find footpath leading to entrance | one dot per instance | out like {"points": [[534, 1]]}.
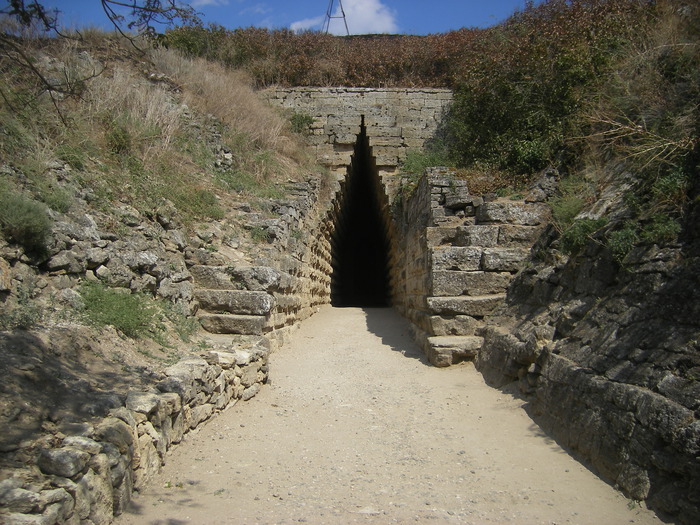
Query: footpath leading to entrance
{"points": [[356, 427]]}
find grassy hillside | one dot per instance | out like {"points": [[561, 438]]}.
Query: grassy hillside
{"points": [[135, 128]]}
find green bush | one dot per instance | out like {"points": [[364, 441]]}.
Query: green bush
{"points": [[662, 229], [579, 233], [119, 139], [301, 122], [622, 241], [24, 220], [132, 314]]}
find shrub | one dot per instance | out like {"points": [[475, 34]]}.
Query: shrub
{"points": [[24, 220], [622, 241], [301, 122], [662, 229], [132, 314], [25, 314], [579, 233]]}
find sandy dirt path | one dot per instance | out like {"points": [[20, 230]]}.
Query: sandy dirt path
{"points": [[356, 427]]}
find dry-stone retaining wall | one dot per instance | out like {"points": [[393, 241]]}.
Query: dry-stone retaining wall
{"points": [[88, 478], [266, 296]]}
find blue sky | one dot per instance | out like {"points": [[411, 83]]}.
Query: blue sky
{"points": [[362, 16]]}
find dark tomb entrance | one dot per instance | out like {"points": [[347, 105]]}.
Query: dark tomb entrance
{"points": [[359, 245]]}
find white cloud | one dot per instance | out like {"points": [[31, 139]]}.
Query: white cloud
{"points": [[307, 23], [257, 9], [362, 17], [207, 3]]}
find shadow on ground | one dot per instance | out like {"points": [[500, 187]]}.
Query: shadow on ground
{"points": [[394, 331]]}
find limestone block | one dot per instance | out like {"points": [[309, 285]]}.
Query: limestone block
{"points": [[477, 306], [214, 277], [178, 428], [117, 432], [101, 497], [200, 413], [233, 324], [513, 213], [235, 301], [143, 402], [477, 235], [250, 392], [249, 375], [448, 350], [453, 325], [503, 259], [461, 258], [150, 462], [82, 443], [513, 235], [452, 283], [66, 260]]}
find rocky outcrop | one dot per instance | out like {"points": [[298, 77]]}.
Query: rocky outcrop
{"points": [[608, 355]]}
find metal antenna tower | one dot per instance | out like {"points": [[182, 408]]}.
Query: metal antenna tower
{"points": [[329, 16]]}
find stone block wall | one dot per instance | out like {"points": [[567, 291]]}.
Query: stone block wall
{"points": [[89, 478], [609, 355], [459, 253], [397, 119], [268, 295]]}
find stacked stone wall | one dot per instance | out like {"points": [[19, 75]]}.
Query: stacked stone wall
{"points": [[397, 120], [460, 253], [89, 478]]}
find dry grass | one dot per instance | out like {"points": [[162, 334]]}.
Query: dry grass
{"points": [[228, 95]]}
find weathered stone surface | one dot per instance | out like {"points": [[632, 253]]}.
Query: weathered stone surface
{"points": [[235, 301], [65, 462], [16, 499], [503, 259], [233, 324], [513, 213], [213, 277], [456, 258], [250, 392], [453, 283], [201, 413], [453, 325], [512, 235], [477, 235], [449, 350], [143, 402], [82, 443], [478, 306], [116, 432]]}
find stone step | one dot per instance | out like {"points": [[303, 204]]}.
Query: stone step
{"points": [[212, 277], [476, 306], [255, 278], [235, 301], [234, 324], [452, 283], [448, 350]]}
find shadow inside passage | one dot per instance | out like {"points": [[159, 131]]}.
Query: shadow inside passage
{"points": [[394, 332]]}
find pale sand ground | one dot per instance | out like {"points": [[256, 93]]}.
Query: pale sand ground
{"points": [[357, 428]]}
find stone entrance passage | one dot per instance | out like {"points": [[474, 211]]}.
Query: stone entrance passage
{"points": [[359, 244]]}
